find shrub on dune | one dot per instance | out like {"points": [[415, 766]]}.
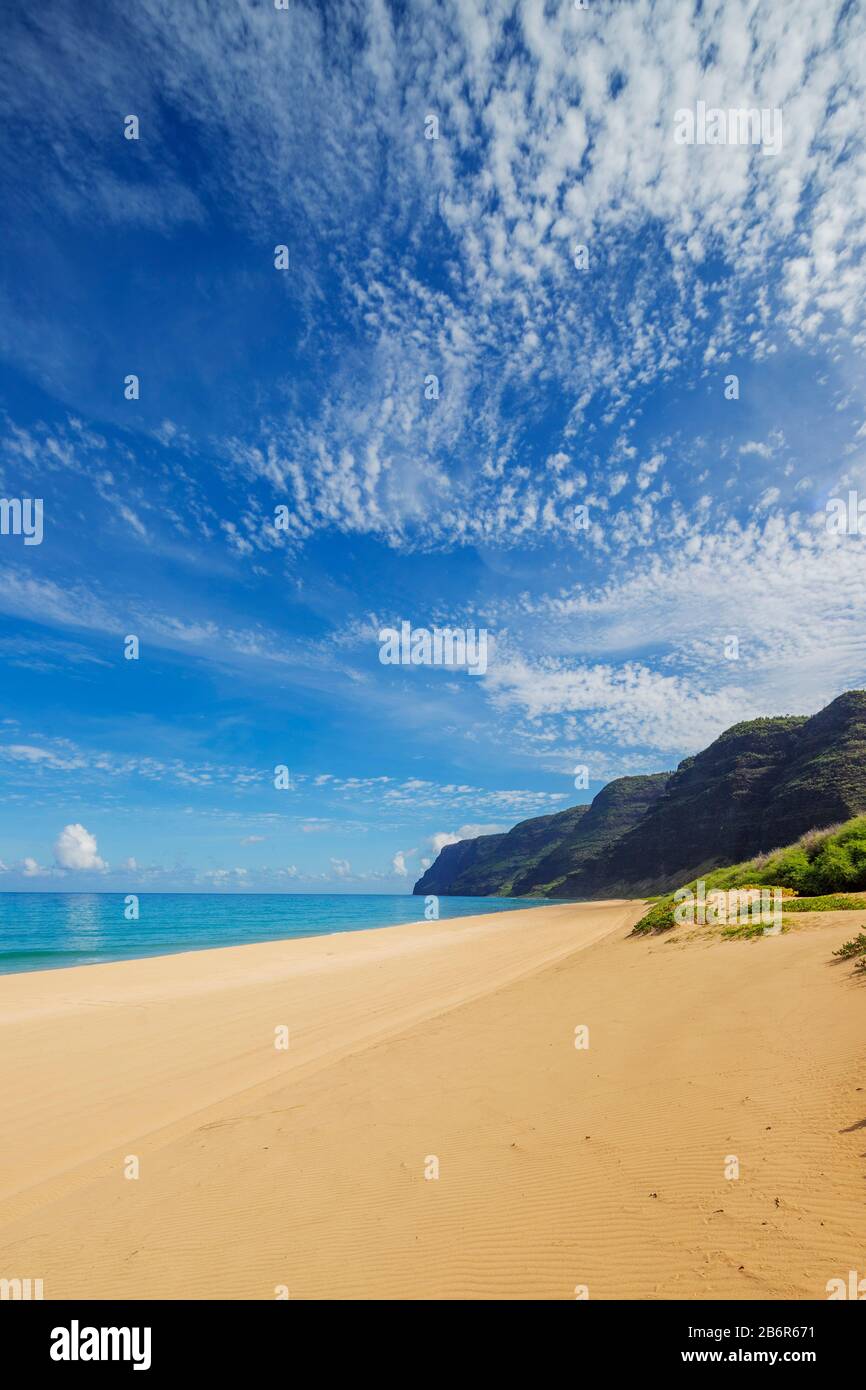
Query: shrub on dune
{"points": [[821, 864], [853, 948]]}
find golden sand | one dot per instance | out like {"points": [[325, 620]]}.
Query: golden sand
{"points": [[443, 1046]]}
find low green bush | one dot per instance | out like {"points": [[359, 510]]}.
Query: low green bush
{"points": [[821, 865], [852, 949]]}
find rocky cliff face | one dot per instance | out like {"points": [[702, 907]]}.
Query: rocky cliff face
{"points": [[761, 784], [617, 808], [488, 865], [530, 859]]}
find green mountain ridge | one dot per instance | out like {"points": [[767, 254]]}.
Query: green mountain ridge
{"points": [[760, 784]]}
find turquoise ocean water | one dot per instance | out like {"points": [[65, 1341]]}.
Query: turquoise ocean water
{"points": [[42, 931]]}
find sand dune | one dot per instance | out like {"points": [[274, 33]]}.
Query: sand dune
{"points": [[450, 1041]]}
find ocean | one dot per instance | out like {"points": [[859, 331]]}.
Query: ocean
{"points": [[43, 931]]}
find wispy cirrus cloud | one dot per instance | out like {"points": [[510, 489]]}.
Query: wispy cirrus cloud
{"points": [[569, 140]]}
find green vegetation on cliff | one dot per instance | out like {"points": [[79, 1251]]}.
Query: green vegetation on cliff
{"points": [[819, 868]]}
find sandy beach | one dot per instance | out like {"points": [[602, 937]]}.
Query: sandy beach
{"points": [[443, 1045]]}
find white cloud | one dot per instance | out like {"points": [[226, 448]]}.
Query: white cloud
{"points": [[58, 759], [630, 704], [466, 832], [791, 593], [75, 848], [768, 498], [753, 446], [617, 483], [398, 863]]}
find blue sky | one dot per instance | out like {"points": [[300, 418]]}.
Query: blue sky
{"points": [[558, 388]]}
